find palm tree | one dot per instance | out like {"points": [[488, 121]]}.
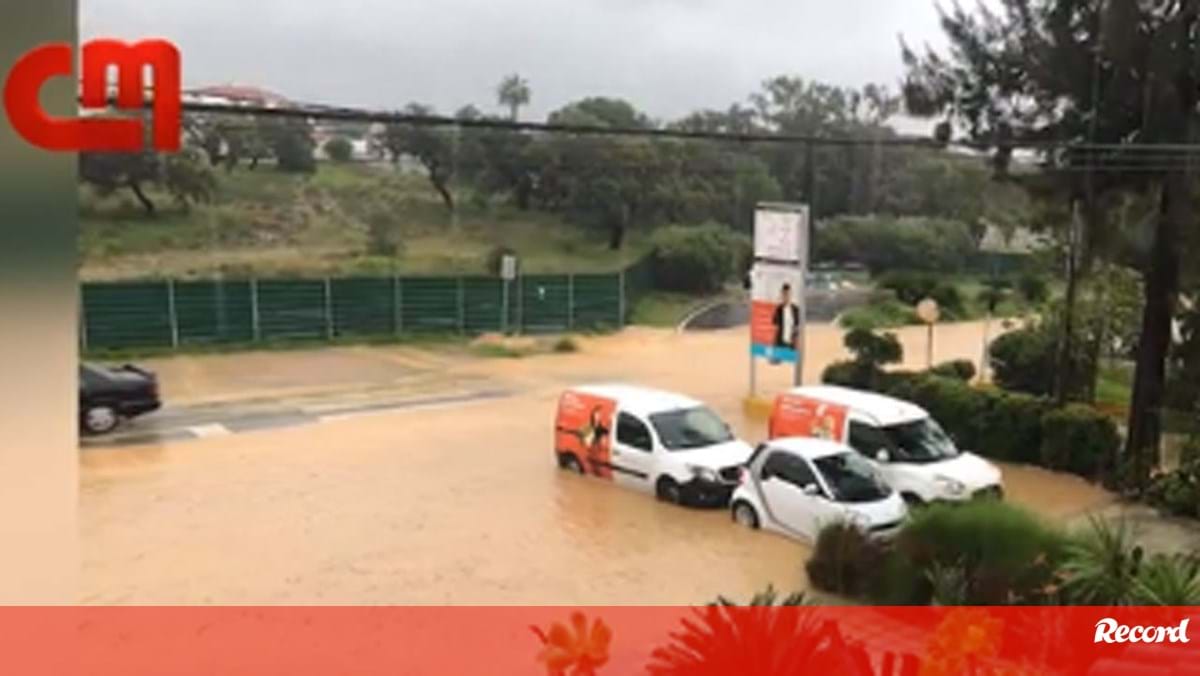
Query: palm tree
{"points": [[513, 92]]}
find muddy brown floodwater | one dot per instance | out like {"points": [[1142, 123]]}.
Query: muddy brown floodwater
{"points": [[455, 505]]}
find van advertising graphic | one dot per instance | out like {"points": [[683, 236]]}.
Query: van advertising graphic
{"points": [[797, 416], [584, 428], [776, 312]]}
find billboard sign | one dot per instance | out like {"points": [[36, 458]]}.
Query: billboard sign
{"points": [[781, 233], [777, 312]]}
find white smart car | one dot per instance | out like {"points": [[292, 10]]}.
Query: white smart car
{"points": [[797, 486]]}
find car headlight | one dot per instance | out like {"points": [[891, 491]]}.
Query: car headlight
{"points": [[703, 473], [949, 486]]}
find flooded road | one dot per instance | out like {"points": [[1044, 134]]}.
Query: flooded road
{"points": [[459, 504]]}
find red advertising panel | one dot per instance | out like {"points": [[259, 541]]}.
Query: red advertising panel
{"points": [[692, 641], [799, 416], [584, 428]]}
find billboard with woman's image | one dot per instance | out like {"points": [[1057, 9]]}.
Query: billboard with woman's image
{"points": [[776, 312]]}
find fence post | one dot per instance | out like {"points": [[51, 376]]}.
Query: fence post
{"points": [[83, 332], [570, 301], [328, 309], [520, 304], [462, 307], [397, 305], [255, 325], [621, 299], [172, 318]]}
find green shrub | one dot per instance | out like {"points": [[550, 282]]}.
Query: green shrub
{"points": [[844, 560], [1078, 439], [566, 344], [962, 369], [913, 287], [879, 314], [1101, 564], [851, 373], [955, 404], [1033, 288], [1178, 491], [1006, 555], [885, 243], [339, 149], [698, 259], [873, 349], [1026, 360], [1011, 427]]}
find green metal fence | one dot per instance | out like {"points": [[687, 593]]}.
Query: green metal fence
{"points": [[174, 314]]}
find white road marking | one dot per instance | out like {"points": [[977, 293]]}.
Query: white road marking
{"points": [[211, 430], [403, 407]]}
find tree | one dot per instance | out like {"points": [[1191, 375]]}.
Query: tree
{"points": [[109, 172], [1068, 71], [292, 144], [433, 148], [188, 177], [339, 149], [513, 93], [601, 111]]}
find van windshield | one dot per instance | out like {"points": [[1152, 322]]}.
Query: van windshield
{"points": [[851, 478], [690, 428], [920, 441]]}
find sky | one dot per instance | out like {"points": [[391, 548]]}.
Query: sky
{"points": [[667, 57]]}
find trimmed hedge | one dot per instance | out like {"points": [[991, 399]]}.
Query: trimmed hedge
{"points": [[962, 369], [1078, 439], [996, 423]]}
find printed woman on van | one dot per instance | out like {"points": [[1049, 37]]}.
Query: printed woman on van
{"points": [[593, 437]]}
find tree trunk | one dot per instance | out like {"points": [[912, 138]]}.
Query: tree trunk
{"points": [[616, 234], [1161, 276], [1063, 376], [439, 184], [146, 203]]}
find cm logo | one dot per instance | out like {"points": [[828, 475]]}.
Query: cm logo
{"points": [[98, 133]]}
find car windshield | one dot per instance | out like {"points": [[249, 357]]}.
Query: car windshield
{"points": [[851, 478], [921, 441], [690, 428]]}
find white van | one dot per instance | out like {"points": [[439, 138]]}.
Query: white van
{"points": [[911, 450], [797, 486], [654, 441]]}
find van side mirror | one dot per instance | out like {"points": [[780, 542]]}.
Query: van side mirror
{"points": [[811, 489], [882, 455]]}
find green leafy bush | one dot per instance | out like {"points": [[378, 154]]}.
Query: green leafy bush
{"points": [[1104, 566], [874, 349], [1006, 555], [1011, 427], [961, 369], [850, 373], [339, 149], [697, 259], [1026, 360], [884, 243], [844, 560], [913, 287], [1078, 439], [879, 314], [1178, 491], [1033, 288]]}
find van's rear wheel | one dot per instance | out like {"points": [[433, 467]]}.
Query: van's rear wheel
{"points": [[744, 514], [569, 462], [912, 500], [669, 491]]}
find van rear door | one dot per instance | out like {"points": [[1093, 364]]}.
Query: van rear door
{"points": [[584, 428]]}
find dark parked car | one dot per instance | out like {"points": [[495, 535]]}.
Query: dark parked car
{"points": [[109, 395]]}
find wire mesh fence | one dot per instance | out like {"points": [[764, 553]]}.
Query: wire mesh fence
{"points": [[175, 314]]}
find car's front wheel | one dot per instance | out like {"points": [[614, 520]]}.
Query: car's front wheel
{"points": [[100, 419], [745, 514], [668, 490], [569, 462]]}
